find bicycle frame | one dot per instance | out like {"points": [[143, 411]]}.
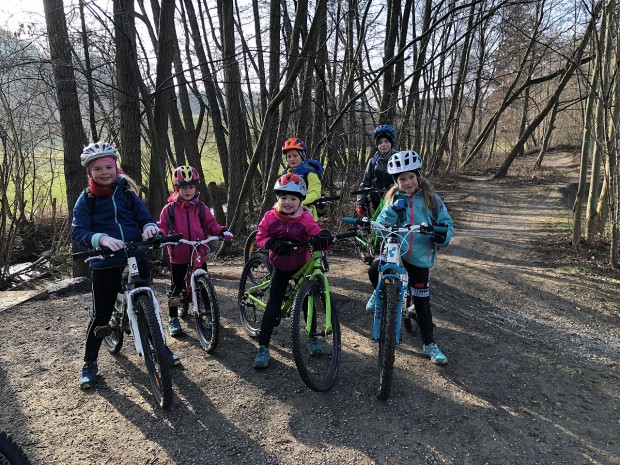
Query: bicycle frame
{"points": [[313, 269], [196, 270], [130, 296]]}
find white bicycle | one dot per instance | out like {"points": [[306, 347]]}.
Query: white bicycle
{"points": [[137, 311]]}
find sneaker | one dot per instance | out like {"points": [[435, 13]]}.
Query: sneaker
{"points": [[432, 351], [173, 359], [370, 305], [314, 347], [174, 327], [89, 375], [262, 357]]}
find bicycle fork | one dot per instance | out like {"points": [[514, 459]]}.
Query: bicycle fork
{"points": [[398, 273], [328, 310], [133, 317]]}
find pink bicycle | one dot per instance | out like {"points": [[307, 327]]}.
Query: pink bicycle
{"points": [[199, 291]]}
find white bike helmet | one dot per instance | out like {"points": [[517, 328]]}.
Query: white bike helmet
{"points": [[402, 162], [291, 183], [97, 150]]}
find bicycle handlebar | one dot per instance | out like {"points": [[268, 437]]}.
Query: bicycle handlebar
{"points": [[368, 190], [104, 252], [422, 228], [324, 199], [199, 242]]}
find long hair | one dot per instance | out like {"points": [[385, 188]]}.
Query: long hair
{"points": [[428, 192]]}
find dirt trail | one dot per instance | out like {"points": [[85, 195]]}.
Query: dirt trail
{"points": [[533, 371]]}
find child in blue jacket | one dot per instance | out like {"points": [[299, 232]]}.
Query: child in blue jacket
{"points": [[413, 201], [108, 214]]}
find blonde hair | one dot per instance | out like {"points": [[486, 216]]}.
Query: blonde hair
{"points": [[428, 192]]}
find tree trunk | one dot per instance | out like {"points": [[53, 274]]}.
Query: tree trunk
{"points": [[158, 188], [73, 136], [128, 94]]}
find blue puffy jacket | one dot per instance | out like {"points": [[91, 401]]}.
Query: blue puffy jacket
{"points": [[416, 248], [113, 217]]}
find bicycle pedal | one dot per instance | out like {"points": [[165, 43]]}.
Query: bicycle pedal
{"points": [[102, 331]]}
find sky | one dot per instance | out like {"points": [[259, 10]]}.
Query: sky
{"points": [[13, 12]]}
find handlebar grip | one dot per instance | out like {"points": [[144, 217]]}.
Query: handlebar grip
{"points": [[345, 235], [329, 199], [350, 220], [91, 253], [361, 191], [172, 238]]}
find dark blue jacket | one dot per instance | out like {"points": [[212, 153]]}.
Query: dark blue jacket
{"points": [[113, 217], [376, 177]]}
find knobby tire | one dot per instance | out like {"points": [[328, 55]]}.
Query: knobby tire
{"points": [[10, 452], [390, 295], [155, 357], [208, 317], [318, 372]]}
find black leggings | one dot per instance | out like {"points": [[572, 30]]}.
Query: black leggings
{"points": [[419, 280], [106, 284], [271, 318]]}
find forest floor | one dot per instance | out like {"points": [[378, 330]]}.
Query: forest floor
{"points": [[531, 329]]}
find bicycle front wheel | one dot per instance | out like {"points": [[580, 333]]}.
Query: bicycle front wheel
{"points": [[10, 452], [250, 246], [254, 285], [155, 356], [390, 296], [208, 316], [316, 347]]}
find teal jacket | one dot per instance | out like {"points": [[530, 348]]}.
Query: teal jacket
{"points": [[416, 248]]}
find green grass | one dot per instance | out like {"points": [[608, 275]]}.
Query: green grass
{"points": [[577, 269], [210, 164], [562, 226]]}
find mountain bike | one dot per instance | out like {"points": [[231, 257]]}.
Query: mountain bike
{"points": [[366, 240], [250, 243], [137, 311], [200, 292], [308, 302], [393, 298], [10, 452]]}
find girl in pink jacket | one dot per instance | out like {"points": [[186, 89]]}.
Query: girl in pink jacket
{"points": [[185, 214], [288, 221]]}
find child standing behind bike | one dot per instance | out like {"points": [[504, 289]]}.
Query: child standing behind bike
{"points": [[108, 214], [376, 175], [413, 201], [294, 152], [288, 221], [185, 214]]}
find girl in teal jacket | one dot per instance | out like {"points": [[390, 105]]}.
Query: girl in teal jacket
{"points": [[413, 201]]}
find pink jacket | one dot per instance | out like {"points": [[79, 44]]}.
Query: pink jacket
{"points": [[187, 222], [293, 228]]}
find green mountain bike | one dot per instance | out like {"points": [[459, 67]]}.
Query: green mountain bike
{"points": [[308, 302]]}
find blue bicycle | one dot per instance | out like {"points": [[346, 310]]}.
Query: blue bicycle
{"points": [[393, 296]]}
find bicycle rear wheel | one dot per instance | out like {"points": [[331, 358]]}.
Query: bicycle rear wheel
{"points": [[114, 342], [208, 317], [316, 352], [390, 295], [255, 274], [155, 357]]}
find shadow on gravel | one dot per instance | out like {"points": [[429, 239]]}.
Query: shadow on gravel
{"points": [[192, 426]]}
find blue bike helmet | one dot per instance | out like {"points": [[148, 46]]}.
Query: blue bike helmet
{"points": [[384, 130]]}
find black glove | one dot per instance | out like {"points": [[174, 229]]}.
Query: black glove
{"points": [[278, 247], [440, 233], [322, 240]]}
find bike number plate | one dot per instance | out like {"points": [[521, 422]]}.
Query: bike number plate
{"points": [[392, 253], [132, 263]]}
